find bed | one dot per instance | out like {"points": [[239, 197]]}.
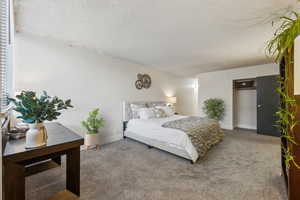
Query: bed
{"points": [[174, 134]]}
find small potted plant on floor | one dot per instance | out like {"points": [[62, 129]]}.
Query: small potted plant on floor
{"points": [[34, 111], [93, 123]]}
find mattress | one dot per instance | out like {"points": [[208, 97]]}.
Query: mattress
{"points": [[152, 130]]}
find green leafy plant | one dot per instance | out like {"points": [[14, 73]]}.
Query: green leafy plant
{"points": [[214, 108], [93, 122], [282, 44], [35, 109], [282, 47]]}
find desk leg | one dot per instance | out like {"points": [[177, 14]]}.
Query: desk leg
{"points": [[73, 170], [14, 181]]}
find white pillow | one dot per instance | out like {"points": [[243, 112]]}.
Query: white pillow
{"points": [[135, 110], [168, 110], [159, 113], [146, 113]]}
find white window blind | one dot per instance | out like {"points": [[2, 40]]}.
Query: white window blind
{"points": [[4, 52]]}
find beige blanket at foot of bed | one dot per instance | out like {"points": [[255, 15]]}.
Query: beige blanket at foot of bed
{"points": [[203, 132]]}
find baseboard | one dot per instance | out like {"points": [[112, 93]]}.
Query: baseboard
{"points": [[243, 126], [110, 138]]}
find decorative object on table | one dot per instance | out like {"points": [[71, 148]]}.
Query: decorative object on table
{"points": [[16, 130], [144, 81], [93, 123], [34, 111], [17, 133], [214, 108]]}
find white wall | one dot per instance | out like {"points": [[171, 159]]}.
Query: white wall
{"points": [[219, 84], [91, 80], [245, 112], [187, 97]]}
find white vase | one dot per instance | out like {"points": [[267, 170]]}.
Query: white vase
{"points": [[91, 140], [36, 136]]}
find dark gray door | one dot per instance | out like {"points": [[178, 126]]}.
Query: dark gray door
{"points": [[268, 102]]}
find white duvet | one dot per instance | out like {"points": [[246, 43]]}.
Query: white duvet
{"points": [[152, 129]]}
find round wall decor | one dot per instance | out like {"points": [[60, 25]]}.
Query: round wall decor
{"points": [[146, 81], [139, 84], [140, 76]]}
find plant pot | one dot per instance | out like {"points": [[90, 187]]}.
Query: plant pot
{"points": [[36, 136], [91, 140]]}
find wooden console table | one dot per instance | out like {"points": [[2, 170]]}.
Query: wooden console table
{"points": [[19, 162]]}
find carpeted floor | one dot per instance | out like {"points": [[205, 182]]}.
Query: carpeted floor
{"points": [[244, 166]]}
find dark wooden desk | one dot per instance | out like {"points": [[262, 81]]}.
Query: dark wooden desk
{"points": [[20, 162]]}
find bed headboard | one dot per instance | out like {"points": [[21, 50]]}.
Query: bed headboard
{"points": [[127, 113]]}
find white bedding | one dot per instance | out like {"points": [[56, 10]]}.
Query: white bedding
{"points": [[152, 129]]}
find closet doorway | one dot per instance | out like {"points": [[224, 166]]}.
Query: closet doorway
{"points": [[245, 104], [256, 103]]}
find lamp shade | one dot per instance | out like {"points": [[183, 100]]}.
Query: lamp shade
{"points": [[172, 100]]}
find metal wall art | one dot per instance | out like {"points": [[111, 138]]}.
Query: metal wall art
{"points": [[144, 81]]}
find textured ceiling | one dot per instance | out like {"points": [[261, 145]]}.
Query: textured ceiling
{"points": [[185, 37]]}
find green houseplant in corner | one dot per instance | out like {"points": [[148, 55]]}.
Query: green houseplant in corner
{"points": [[35, 110], [92, 124], [214, 108]]}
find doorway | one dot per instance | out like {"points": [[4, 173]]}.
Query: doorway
{"points": [[255, 104], [245, 103]]}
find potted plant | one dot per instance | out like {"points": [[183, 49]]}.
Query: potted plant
{"points": [[92, 125], [34, 111], [214, 108]]}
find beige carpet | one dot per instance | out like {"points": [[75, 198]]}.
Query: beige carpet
{"points": [[245, 166]]}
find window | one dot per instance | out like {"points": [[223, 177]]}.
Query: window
{"points": [[6, 33]]}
